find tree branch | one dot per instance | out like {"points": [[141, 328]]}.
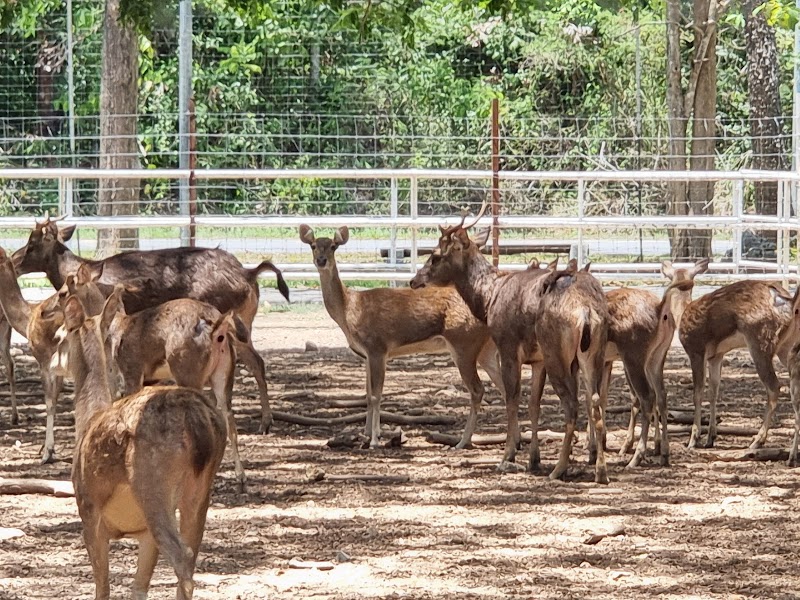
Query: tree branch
{"points": [[715, 12]]}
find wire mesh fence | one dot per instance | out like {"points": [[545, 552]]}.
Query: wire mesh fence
{"points": [[299, 91]]}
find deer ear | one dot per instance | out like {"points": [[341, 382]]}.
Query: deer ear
{"points": [[341, 236], [110, 309], [461, 235], [74, 316], [482, 237], [306, 234], [534, 264], [553, 265], [667, 270], [701, 266], [84, 275], [586, 267], [65, 233]]}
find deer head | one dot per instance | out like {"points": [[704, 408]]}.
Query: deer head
{"points": [[323, 249], [44, 242], [452, 254], [682, 295], [83, 284]]}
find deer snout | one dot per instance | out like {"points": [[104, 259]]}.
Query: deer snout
{"points": [[416, 284], [321, 262]]}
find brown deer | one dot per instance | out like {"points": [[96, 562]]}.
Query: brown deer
{"points": [[521, 309], [752, 314], [139, 459], [641, 329], [176, 340], [206, 274], [384, 323], [39, 323]]}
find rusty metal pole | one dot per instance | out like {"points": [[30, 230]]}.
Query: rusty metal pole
{"points": [[192, 181], [495, 181]]}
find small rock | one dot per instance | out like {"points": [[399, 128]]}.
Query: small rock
{"points": [[311, 347], [342, 557]]}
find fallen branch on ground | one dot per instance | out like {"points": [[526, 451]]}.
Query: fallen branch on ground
{"points": [[386, 417], [760, 454], [488, 439], [59, 489]]}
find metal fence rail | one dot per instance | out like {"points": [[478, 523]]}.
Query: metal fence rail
{"points": [[573, 226]]}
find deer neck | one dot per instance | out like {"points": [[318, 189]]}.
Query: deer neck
{"points": [[65, 263], [17, 310], [335, 296], [476, 286], [92, 393]]}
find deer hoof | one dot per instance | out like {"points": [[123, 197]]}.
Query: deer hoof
{"points": [[709, 442], [15, 419], [692, 442], [756, 444], [265, 427], [792, 462], [664, 460], [601, 477], [48, 457]]}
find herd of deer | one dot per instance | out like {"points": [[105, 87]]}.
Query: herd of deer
{"points": [[186, 314]]}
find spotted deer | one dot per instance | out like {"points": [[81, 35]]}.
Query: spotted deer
{"points": [[384, 323], [138, 460], [209, 275], [554, 321], [748, 314]]}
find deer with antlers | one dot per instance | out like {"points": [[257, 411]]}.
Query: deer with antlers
{"points": [[746, 314], [640, 333], [384, 323], [206, 274], [140, 459], [526, 312]]}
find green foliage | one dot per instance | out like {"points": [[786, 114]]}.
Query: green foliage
{"points": [[399, 83]]}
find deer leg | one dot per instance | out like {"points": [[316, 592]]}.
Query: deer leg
{"points": [[592, 375], [714, 378], [630, 436], [538, 376], [95, 537], [161, 522], [377, 373], [766, 372], [145, 565], [469, 375], [370, 416], [794, 390], [52, 387], [8, 361], [655, 378], [566, 387], [511, 369], [222, 384], [255, 363], [489, 359], [698, 363], [194, 509]]}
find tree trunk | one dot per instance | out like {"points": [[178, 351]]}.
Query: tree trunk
{"points": [[677, 119], [118, 144], [766, 127], [699, 104]]}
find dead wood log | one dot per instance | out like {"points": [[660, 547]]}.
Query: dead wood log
{"points": [[684, 417], [760, 454], [488, 439], [348, 403], [59, 489], [735, 430], [386, 417], [315, 475], [596, 538]]}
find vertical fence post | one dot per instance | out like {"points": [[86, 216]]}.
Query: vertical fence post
{"points": [[393, 215], [69, 207], [184, 95], [192, 166], [495, 181], [70, 85], [738, 207], [413, 192], [581, 213], [785, 198]]}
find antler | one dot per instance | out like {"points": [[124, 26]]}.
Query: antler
{"points": [[482, 211]]}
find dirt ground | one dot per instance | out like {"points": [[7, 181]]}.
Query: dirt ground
{"points": [[701, 528]]}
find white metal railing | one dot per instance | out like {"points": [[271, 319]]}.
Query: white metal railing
{"points": [[782, 222]]}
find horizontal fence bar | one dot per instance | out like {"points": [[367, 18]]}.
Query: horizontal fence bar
{"points": [[372, 174]]}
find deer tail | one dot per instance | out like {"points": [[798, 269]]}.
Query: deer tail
{"points": [[267, 265]]}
